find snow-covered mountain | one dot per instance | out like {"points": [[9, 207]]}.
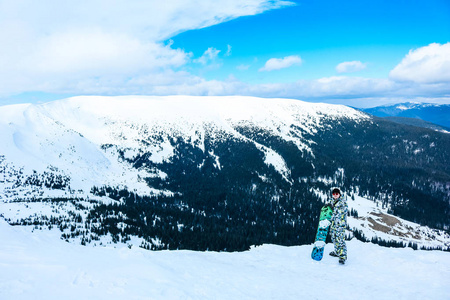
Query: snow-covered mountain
{"points": [[70, 139], [217, 173], [435, 113]]}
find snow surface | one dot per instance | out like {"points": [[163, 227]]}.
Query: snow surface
{"points": [[36, 266]]}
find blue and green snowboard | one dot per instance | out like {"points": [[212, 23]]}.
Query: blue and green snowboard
{"points": [[322, 231]]}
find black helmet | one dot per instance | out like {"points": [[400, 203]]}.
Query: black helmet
{"points": [[336, 190]]}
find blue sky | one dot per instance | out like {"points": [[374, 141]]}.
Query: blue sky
{"points": [[360, 53], [323, 34]]}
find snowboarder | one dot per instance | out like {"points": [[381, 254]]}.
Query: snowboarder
{"points": [[338, 224]]}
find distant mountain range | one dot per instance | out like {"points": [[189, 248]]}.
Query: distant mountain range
{"points": [[434, 113], [217, 173]]}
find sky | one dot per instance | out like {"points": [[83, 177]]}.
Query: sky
{"points": [[358, 53]]}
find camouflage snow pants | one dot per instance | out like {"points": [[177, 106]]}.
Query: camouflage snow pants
{"points": [[338, 239]]}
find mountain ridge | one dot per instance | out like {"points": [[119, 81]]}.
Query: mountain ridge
{"points": [[89, 123], [217, 173], [438, 114]]}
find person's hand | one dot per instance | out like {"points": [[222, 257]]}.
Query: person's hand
{"points": [[329, 205]]}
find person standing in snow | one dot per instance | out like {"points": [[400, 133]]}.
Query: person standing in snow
{"points": [[338, 224]]}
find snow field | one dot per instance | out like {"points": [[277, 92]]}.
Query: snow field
{"points": [[36, 266]]}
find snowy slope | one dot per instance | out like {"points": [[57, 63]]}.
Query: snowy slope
{"points": [[375, 222], [69, 138], [37, 266]]}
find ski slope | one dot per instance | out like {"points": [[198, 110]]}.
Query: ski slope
{"points": [[38, 266]]}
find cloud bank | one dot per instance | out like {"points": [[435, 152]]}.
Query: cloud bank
{"points": [[60, 46], [95, 47]]}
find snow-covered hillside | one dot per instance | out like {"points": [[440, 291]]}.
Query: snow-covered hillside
{"points": [[68, 139], [376, 223], [52, 156], [37, 266]]}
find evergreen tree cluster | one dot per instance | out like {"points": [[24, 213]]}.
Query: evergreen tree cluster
{"points": [[226, 197], [246, 202], [200, 223], [359, 235], [49, 180], [401, 166]]}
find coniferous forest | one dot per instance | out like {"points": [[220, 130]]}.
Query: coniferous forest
{"points": [[243, 201], [246, 202]]}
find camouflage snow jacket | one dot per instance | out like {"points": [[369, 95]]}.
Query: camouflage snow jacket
{"points": [[339, 218]]}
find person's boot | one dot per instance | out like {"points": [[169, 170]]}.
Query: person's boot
{"points": [[332, 253], [342, 261]]}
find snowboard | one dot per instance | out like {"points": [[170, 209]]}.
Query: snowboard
{"points": [[322, 231]]}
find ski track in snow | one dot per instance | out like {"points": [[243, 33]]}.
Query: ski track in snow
{"points": [[36, 266]]}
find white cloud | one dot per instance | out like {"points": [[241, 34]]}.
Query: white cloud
{"points": [[243, 67], [281, 63], [208, 56], [98, 53], [228, 53], [48, 45], [429, 64], [350, 67]]}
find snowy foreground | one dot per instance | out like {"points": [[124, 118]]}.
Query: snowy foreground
{"points": [[36, 266]]}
